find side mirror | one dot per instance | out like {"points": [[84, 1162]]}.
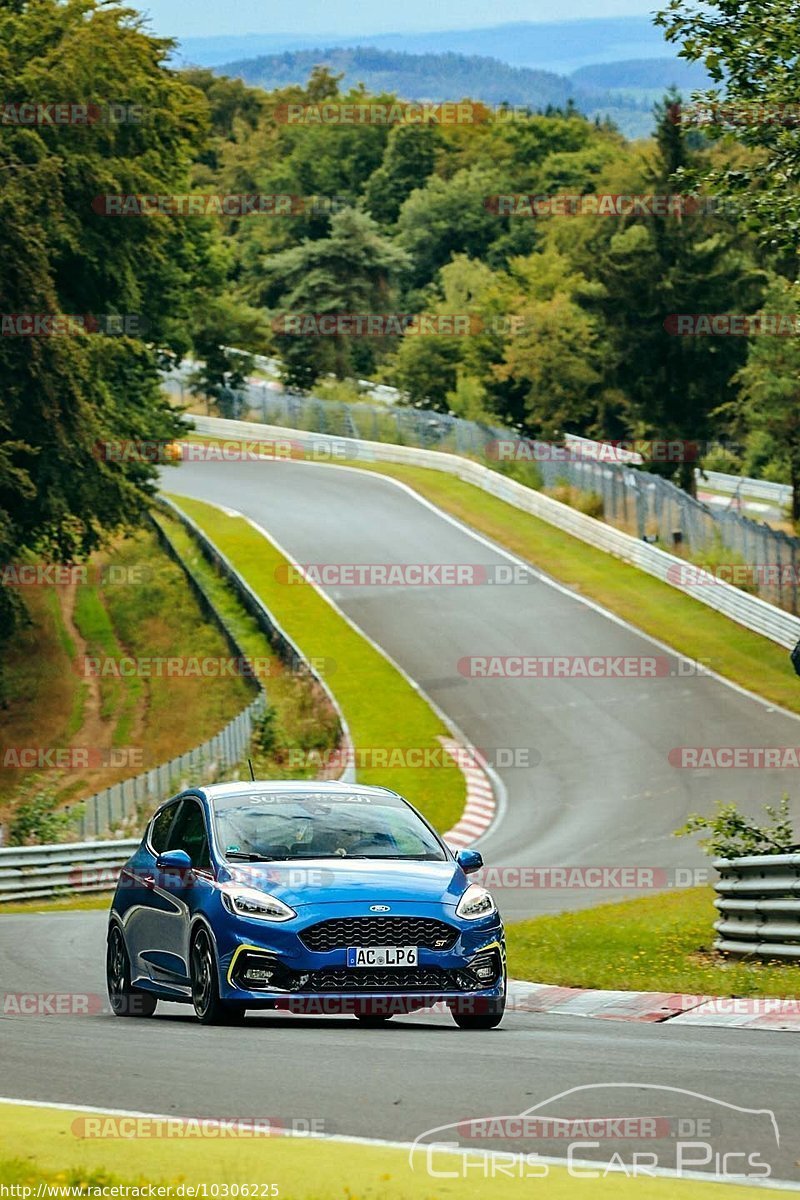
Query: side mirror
{"points": [[174, 860], [469, 861]]}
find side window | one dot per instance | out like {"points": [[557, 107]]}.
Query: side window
{"points": [[159, 830], [189, 834]]}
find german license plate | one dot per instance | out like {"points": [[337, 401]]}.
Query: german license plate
{"points": [[382, 956]]}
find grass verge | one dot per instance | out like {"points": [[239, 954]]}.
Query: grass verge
{"points": [[301, 725], [654, 944], [94, 902], [41, 1145], [134, 602], [673, 617], [385, 713], [654, 607]]}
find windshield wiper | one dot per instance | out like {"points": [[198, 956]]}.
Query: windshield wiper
{"points": [[240, 854]]}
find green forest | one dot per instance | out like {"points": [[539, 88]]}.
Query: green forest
{"points": [[572, 314]]}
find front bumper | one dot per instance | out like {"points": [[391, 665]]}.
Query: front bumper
{"points": [[266, 965]]}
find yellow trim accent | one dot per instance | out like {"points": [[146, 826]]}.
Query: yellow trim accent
{"points": [[237, 952]]}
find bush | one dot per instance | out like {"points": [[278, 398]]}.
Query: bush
{"points": [[38, 820], [734, 835], [589, 503], [720, 458]]}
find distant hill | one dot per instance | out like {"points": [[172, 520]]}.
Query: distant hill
{"points": [[644, 73], [412, 76], [451, 76], [558, 46]]}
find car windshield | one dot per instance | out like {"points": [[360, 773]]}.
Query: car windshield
{"points": [[254, 826]]}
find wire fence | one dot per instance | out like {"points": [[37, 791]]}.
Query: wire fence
{"points": [[759, 558], [116, 806]]}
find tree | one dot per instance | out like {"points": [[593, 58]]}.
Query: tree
{"points": [[66, 396], [652, 268], [769, 396], [750, 46], [408, 160], [348, 273], [554, 351]]}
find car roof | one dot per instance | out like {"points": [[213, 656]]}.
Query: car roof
{"points": [[292, 787]]}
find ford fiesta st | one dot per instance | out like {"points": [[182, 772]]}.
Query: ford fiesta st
{"points": [[315, 897]]}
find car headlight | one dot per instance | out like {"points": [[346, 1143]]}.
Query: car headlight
{"points": [[249, 902], [476, 902]]}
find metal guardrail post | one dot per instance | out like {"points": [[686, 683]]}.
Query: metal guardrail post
{"points": [[758, 899]]}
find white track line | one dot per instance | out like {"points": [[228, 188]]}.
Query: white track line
{"points": [[385, 1144]]}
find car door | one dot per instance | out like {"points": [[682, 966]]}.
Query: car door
{"points": [[138, 898], [177, 895]]}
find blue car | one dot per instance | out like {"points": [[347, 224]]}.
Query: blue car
{"points": [[318, 897]]}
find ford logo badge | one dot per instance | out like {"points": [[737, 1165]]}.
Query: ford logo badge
{"points": [[379, 908]]}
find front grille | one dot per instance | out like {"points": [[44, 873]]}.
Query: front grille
{"points": [[421, 979], [379, 931]]}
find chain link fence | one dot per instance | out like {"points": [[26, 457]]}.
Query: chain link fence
{"points": [[636, 501]]}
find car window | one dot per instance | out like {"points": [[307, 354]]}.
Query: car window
{"points": [[189, 834], [159, 830]]}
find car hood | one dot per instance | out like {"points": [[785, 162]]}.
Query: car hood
{"points": [[333, 881]]}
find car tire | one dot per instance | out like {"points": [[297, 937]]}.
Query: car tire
{"points": [[209, 1008], [489, 1019], [126, 1001]]}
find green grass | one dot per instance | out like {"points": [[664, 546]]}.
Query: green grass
{"points": [[654, 607], [673, 617], [158, 616], [94, 902], [45, 1145], [381, 707], [118, 698], [657, 943], [154, 615], [305, 720]]}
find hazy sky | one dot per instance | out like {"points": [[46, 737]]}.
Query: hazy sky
{"points": [[181, 18]]}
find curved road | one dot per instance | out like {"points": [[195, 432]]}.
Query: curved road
{"points": [[602, 793]]}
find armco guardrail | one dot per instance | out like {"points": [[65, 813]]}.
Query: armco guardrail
{"points": [[642, 503], [277, 636], [756, 614], [779, 494], [115, 804], [35, 872], [758, 899], [101, 811]]}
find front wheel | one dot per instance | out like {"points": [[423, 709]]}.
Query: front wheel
{"points": [[479, 1013], [126, 1001], [209, 1008]]}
